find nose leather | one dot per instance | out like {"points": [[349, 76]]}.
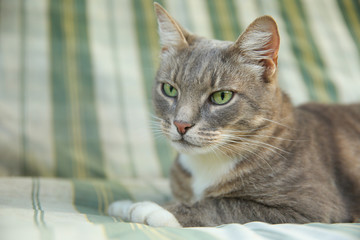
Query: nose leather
{"points": [[182, 127]]}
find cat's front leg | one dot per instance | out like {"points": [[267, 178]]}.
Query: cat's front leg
{"points": [[143, 212]]}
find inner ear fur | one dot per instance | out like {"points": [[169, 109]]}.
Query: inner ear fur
{"points": [[260, 42], [171, 33]]}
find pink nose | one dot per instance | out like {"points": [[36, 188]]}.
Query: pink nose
{"points": [[182, 127]]}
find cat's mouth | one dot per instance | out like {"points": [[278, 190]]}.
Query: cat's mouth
{"points": [[186, 143], [184, 146]]}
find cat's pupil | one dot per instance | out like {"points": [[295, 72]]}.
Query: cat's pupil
{"points": [[222, 95], [171, 88]]}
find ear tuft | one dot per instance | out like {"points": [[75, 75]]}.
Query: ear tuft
{"points": [[170, 32], [260, 42]]}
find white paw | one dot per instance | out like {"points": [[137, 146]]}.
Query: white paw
{"points": [[143, 212], [120, 209]]}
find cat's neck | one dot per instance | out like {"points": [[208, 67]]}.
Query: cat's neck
{"points": [[206, 170]]}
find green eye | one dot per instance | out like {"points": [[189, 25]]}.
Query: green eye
{"points": [[169, 90], [221, 97]]}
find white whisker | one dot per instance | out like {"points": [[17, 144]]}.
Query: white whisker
{"points": [[275, 122], [232, 137]]}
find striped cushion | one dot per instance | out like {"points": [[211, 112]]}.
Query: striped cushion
{"points": [[76, 75], [49, 209]]}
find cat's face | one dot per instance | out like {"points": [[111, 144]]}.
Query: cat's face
{"points": [[208, 92]]}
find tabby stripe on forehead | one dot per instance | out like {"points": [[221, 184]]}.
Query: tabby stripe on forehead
{"points": [[214, 77], [183, 69], [174, 74]]}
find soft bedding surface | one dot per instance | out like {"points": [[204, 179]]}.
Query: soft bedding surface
{"points": [[43, 208], [76, 125]]}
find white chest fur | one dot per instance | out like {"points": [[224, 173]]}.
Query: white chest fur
{"points": [[206, 170]]}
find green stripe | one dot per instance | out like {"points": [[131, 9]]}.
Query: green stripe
{"points": [[351, 13], [92, 198], [27, 170], [137, 231], [185, 10], [45, 232], [215, 22], [121, 94], [297, 50], [63, 143], [185, 233], [149, 51], [77, 143], [126, 231], [34, 195], [233, 15], [145, 46], [224, 19], [329, 85], [89, 125]]}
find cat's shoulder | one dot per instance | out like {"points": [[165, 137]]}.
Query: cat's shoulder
{"points": [[321, 107], [329, 112]]}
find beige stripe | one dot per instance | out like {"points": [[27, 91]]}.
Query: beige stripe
{"points": [[69, 30], [200, 18], [10, 105], [112, 135], [136, 112], [177, 10], [339, 53], [37, 90], [58, 194], [17, 192], [290, 77], [16, 207], [55, 198], [158, 190], [248, 12]]}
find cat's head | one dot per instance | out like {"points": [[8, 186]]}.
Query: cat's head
{"points": [[209, 93]]}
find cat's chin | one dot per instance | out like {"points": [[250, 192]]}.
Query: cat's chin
{"points": [[185, 147]]}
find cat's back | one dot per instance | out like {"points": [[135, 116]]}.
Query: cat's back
{"points": [[336, 119], [334, 126], [333, 132], [336, 112]]}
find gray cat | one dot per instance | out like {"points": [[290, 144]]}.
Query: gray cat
{"points": [[245, 153]]}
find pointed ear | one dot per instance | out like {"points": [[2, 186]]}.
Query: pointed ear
{"points": [[260, 42], [171, 33]]}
